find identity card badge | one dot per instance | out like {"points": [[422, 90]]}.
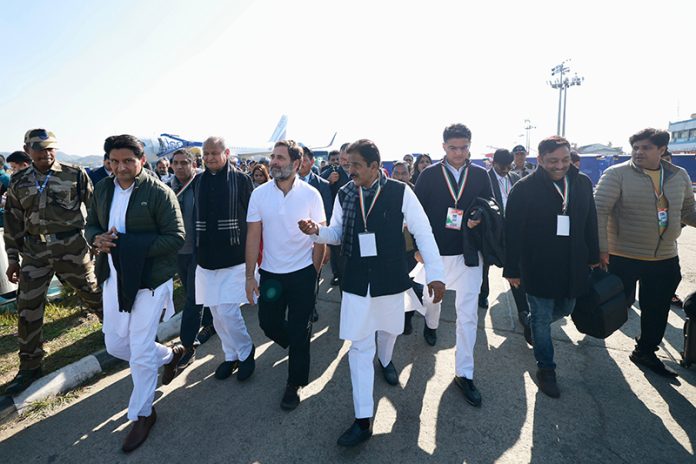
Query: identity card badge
{"points": [[454, 219], [662, 217], [563, 225], [368, 244]]}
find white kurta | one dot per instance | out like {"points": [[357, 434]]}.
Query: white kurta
{"points": [[221, 286], [363, 315]]}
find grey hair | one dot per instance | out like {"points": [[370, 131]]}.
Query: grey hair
{"points": [[215, 140]]}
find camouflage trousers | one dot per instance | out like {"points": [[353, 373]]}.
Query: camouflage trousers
{"points": [[70, 260]]}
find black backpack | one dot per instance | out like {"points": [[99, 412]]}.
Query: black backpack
{"points": [[603, 309]]}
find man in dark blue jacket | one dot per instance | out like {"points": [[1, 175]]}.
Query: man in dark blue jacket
{"points": [[551, 243], [446, 190]]}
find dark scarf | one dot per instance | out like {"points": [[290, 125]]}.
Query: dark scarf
{"points": [[348, 196], [228, 202]]}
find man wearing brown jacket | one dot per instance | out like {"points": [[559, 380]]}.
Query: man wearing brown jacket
{"points": [[641, 205]]}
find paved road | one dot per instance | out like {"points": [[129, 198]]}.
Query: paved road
{"points": [[610, 411]]}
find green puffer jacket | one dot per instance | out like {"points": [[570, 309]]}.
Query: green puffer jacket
{"points": [[627, 211], [152, 207]]}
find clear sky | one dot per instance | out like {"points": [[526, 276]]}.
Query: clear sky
{"points": [[394, 71]]}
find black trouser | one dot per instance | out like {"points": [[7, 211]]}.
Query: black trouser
{"points": [[191, 316], [293, 292], [517, 293], [658, 281], [335, 259]]}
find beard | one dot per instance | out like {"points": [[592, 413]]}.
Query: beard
{"points": [[282, 173]]}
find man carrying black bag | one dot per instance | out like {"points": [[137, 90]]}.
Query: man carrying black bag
{"points": [[551, 241]]}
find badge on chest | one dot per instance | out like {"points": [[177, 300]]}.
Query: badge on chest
{"points": [[454, 218], [368, 244]]}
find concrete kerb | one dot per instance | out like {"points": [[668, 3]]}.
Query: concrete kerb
{"points": [[74, 375]]}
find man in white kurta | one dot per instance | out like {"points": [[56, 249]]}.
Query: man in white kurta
{"points": [[222, 195], [139, 204], [374, 290]]}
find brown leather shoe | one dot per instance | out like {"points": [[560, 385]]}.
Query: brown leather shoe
{"points": [[171, 369], [139, 431]]}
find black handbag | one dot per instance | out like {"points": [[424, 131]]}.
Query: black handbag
{"points": [[602, 310]]}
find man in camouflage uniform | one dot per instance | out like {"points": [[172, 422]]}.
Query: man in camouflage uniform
{"points": [[44, 223]]}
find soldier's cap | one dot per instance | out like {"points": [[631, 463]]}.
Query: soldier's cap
{"points": [[40, 138], [519, 149]]}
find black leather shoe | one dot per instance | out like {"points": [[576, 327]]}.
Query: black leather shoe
{"points": [[483, 303], [547, 382], [171, 369], [226, 369], [22, 380], [390, 374], [430, 335], [205, 333], [335, 281], [471, 393], [188, 357], [651, 361], [139, 432], [291, 398], [354, 435], [246, 367]]}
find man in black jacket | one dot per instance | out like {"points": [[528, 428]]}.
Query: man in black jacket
{"points": [[502, 179], [552, 241], [446, 190]]}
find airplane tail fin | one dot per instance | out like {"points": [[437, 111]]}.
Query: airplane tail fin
{"points": [[329, 145], [280, 131]]}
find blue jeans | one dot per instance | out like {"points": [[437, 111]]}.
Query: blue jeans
{"points": [[542, 312]]}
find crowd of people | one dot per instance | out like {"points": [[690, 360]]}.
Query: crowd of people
{"points": [[260, 233]]}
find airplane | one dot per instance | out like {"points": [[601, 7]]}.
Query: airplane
{"points": [[166, 144]]}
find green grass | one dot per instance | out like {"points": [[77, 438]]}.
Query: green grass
{"points": [[70, 332]]}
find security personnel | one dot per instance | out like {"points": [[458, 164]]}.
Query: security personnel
{"points": [[44, 223]]}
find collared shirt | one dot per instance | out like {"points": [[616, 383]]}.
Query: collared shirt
{"points": [[285, 248], [505, 185], [119, 206], [457, 173]]}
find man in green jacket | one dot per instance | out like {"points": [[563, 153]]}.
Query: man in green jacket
{"points": [[641, 205], [135, 223]]}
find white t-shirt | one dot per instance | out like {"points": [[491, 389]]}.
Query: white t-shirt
{"points": [[285, 248]]}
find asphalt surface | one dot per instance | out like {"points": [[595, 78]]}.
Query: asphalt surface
{"points": [[610, 411]]}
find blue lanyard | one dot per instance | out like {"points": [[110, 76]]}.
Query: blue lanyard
{"points": [[42, 187]]}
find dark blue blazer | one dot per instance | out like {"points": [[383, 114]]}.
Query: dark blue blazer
{"points": [[325, 191]]}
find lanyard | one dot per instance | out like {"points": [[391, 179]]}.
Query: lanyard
{"points": [[660, 193], [564, 193], [451, 187], [42, 187], [362, 203], [185, 186]]}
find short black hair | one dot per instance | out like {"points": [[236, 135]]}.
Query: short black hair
{"points": [[574, 157], [129, 142], [344, 147], [503, 157], [553, 143], [308, 152], [294, 149], [456, 131], [19, 157], [334, 153], [659, 137], [182, 151], [367, 149]]}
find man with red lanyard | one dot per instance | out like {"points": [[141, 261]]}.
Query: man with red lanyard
{"points": [[446, 190]]}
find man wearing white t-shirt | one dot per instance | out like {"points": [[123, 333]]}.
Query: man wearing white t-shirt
{"points": [[289, 264]]}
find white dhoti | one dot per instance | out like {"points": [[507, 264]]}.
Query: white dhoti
{"points": [[466, 282], [131, 337], [361, 318], [224, 292]]}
